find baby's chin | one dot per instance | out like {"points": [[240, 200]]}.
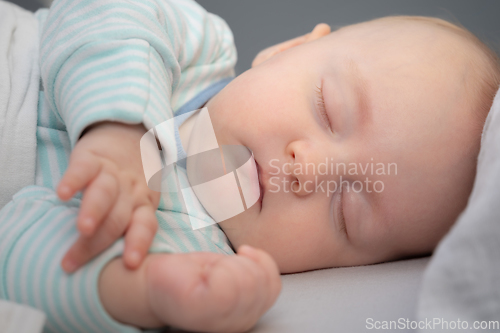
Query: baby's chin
{"points": [[238, 228]]}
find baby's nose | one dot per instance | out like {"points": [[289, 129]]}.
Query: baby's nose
{"points": [[307, 167], [303, 178]]}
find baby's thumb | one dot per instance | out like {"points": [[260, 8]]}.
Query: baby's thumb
{"points": [[261, 257]]}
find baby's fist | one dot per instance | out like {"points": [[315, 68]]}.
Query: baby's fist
{"points": [[213, 292]]}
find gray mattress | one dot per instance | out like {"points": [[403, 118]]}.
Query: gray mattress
{"points": [[342, 299]]}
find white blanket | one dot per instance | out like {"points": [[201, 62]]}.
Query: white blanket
{"points": [[462, 281], [16, 318], [19, 86]]}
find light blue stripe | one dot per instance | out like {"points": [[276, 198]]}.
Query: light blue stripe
{"points": [[62, 160], [101, 91], [66, 23], [187, 48], [151, 89], [203, 96], [121, 34], [111, 9], [194, 104], [26, 259], [132, 31], [104, 66], [52, 253], [84, 294], [43, 159], [5, 255], [126, 116], [165, 225], [112, 113]]}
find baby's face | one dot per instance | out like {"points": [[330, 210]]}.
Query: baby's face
{"points": [[394, 105]]}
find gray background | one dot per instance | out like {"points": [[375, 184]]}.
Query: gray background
{"points": [[257, 24]]}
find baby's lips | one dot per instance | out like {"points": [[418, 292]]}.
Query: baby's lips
{"points": [[226, 182]]}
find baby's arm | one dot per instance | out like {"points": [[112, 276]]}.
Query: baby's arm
{"points": [[122, 60], [197, 291], [106, 163]]}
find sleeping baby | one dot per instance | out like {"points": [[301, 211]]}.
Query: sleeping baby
{"points": [[365, 140]]}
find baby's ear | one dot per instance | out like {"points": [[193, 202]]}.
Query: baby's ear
{"points": [[319, 30]]}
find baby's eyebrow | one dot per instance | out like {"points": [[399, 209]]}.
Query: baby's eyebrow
{"points": [[360, 90]]}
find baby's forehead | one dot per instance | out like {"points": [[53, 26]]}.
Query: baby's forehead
{"points": [[409, 29], [405, 41]]}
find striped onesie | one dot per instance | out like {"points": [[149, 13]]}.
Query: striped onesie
{"points": [[142, 61]]}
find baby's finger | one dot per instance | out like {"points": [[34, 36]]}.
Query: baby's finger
{"points": [[97, 201], [239, 286], [140, 235], [268, 264], [81, 170], [252, 281], [120, 216], [84, 250]]}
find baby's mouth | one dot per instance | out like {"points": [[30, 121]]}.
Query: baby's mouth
{"points": [[261, 187]]}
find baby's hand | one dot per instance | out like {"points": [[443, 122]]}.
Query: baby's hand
{"points": [[106, 164], [212, 292]]}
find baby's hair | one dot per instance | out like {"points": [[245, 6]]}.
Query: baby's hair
{"points": [[486, 67]]}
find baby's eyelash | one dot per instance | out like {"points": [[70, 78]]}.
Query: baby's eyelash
{"points": [[340, 215], [322, 109], [343, 227]]}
